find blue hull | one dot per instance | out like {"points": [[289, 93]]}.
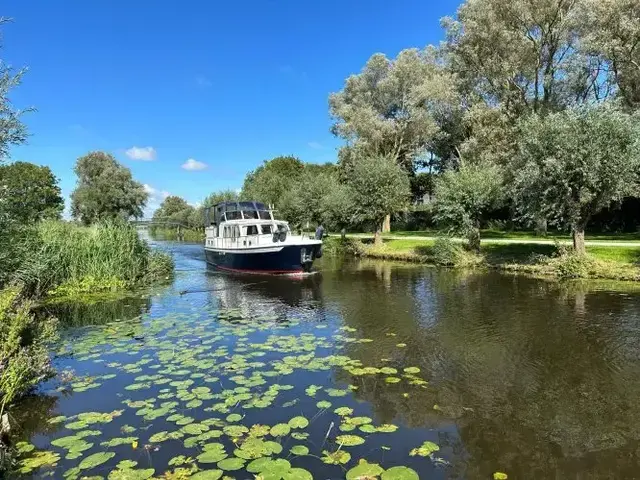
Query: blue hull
{"points": [[286, 261]]}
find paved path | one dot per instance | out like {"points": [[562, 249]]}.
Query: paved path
{"points": [[599, 243]]}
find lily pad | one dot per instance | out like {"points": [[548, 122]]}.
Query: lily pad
{"points": [[298, 422], [231, 464], [299, 450], [349, 440], [400, 473], [96, 459], [365, 470]]}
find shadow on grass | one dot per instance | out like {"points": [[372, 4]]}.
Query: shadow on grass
{"points": [[523, 253]]}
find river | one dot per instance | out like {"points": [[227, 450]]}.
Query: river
{"points": [[450, 374]]}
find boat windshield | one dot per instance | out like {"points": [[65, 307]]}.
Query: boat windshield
{"points": [[264, 215]]}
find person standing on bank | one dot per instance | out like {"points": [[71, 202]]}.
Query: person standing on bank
{"points": [[319, 232]]}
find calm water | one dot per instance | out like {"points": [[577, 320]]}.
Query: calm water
{"points": [[525, 377]]}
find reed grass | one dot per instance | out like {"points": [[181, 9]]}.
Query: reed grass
{"points": [[68, 258]]}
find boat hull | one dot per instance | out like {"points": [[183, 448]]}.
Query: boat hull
{"points": [[286, 260]]}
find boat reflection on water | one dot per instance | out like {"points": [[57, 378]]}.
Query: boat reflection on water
{"points": [[272, 295]]}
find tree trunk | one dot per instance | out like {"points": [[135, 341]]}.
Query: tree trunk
{"points": [[578, 239], [541, 227], [473, 236], [386, 225], [377, 239]]}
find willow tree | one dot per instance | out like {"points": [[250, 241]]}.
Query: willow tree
{"points": [[612, 32], [378, 187], [392, 108], [105, 190], [572, 164]]}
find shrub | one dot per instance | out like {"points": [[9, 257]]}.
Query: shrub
{"points": [[24, 357], [160, 266], [448, 253]]}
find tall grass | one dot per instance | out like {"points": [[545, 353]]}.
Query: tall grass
{"points": [[66, 258]]}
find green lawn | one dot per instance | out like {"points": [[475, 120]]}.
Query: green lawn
{"points": [[525, 235], [517, 252]]}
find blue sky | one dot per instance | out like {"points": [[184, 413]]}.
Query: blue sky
{"points": [[206, 90]]}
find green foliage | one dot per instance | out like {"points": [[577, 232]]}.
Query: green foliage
{"points": [[12, 130], [78, 259], [574, 163], [304, 201], [29, 193], [105, 190], [447, 253], [269, 182], [378, 188], [221, 196], [24, 356], [169, 207], [465, 195], [392, 107]]}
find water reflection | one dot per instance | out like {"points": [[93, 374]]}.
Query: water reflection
{"points": [[526, 376]]}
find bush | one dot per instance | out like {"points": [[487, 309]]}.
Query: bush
{"points": [[446, 252], [572, 265], [24, 357], [68, 258], [160, 266]]}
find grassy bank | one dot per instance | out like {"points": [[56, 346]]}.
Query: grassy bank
{"points": [[60, 258], [494, 234], [603, 262]]}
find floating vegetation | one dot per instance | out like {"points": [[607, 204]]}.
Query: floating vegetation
{"points": [[226, 397]]}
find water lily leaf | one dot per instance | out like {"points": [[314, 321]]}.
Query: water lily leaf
{"points": [[349, 440], [96, 459], [114, 442], [424, 450], [213, 453], [299, 450], [368, 428], [339, 457], [323, 404], [400, 473], [387, 428], [297, 474], [365, 470], [258, 465], [343, 411], [231, 464], [412, 370], [358, 420], [207, 475], [38, 460], [298, 422], [299, 435], [235, 430], [500, 476], [280, 430], [131, 474], [234, 417], [392, 380], [24, 447], [195, 428]]}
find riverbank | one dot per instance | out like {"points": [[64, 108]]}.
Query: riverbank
{"points": [[185, 234], [603, 261]]}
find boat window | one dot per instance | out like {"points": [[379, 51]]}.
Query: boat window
{"points": [[252, 230], [264, 215], [251, 214], [227, 232], [266, 229], [233, 215]]}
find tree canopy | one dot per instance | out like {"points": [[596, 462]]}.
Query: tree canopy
{"points": [[572, 164], [105, 190], [12, 130], [269, 182], [464, 196], [29, 193], [220, 196], [378, 187]]}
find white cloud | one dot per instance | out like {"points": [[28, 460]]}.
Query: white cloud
{"points": [[156, 197], [194, 165], [145, 154], [315, 145], [203, 81]]}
